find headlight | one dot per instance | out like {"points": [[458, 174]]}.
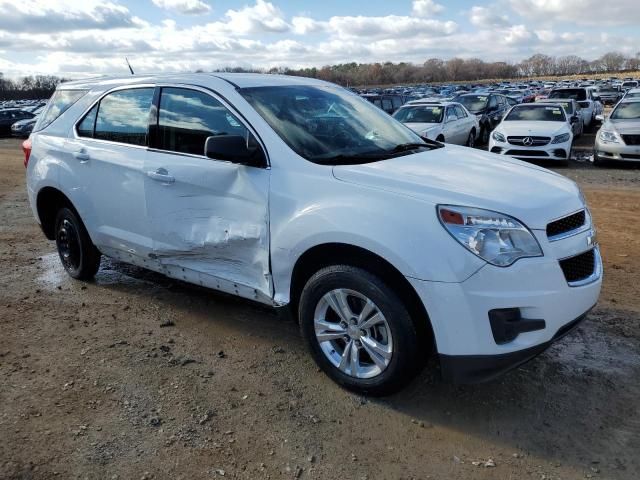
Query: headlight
{"points": [[497, 136], [607, 136], [560, 138], [496, 238]]}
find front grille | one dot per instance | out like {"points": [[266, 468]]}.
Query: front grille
{"points": [[536, 141], [631, 139], [527, 153], [566, 224], [579, 267]]}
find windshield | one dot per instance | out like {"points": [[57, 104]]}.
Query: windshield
{"points": [[573, 93], [536, 114], [626, 111], [327, 124], [630, 84], [473, 103], [422, 114]]}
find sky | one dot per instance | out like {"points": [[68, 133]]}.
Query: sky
{"points": [[77, 38]]}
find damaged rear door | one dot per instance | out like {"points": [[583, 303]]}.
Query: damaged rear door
{"points": [[209, 218]]}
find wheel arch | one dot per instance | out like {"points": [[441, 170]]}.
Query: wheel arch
{"points": [[326, 254], [48, 201]]}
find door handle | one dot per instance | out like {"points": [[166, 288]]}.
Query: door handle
{"points": [[82, 156], [161, 175]]}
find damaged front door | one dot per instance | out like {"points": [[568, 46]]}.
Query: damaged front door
{"points": [[209, 218]]}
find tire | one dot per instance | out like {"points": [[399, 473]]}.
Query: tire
{"points": [[484, 135], [79, 256], [393, 338], [471, 140]]}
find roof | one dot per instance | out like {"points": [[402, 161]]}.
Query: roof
{"points": [[241, 80]]}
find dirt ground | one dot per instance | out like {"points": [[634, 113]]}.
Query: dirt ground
{"points": [[138, 376]]}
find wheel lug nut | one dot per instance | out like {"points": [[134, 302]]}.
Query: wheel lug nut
{"points": [[363, 333]]}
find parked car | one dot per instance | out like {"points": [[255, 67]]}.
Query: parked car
{"points": [[388, 103], [488, 109], [629, 84], [9, 116], [619, 137], [610, 95], [445, 122], [589, 103], [632, 93], [23, 128], [534, 131], [572, 109], [298, 194]]}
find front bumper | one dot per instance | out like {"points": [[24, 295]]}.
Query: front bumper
{"points": [[616, 151], [556, 151], [537, 287], [467, 369]]}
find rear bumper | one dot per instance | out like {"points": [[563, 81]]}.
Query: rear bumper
{"points": [[466, 369]]}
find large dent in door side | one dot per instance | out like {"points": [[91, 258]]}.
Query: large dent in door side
{"points": [[217, 225]]}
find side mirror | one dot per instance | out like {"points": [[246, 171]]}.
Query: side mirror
{"points": [[599, 118], [573, 119], [236, 149]]}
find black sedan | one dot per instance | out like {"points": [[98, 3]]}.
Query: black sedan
{"points": [[9, 116]]}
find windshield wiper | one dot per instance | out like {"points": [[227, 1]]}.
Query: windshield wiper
{"points": [[404, 147], [344, 159]]}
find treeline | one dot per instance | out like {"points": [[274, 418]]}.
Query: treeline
{"points": [[31, 87], [437, 70]]}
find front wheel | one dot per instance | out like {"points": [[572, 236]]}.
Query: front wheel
{"points": [[471, 140], [359, 331], [484, 135], [79, 257]]}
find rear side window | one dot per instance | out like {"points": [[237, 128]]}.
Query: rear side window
{"points": [[59, 102], [188, 117], [460, 112], [123, 116], [397, 102]]}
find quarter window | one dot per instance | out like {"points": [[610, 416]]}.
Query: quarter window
{"points": [[188, 117], [88, 123], [460, 112], [123, 116]]}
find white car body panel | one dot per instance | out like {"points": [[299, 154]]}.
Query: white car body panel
{"points": [[241, 229]]}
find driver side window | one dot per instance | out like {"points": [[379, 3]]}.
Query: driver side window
{"points": [[187, 117]]}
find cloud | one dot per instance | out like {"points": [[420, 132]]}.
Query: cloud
{"points": [[583, 12], [186, 7], [56, 15], [485, 18], [426, 8], [262, 17], [391, 26]]}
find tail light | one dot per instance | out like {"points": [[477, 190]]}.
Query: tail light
{"points": [[26, 148]]}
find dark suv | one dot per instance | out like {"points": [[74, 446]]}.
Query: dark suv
{"points": [[488, 108]]}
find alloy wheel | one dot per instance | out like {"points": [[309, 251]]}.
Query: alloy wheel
{"points": [[353, 333]]}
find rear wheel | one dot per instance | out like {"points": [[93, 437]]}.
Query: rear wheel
{"points": [[79, 257], [359, 331]]}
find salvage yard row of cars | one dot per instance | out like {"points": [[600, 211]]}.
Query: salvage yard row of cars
{"points": [[528, 127], [17, 117]]}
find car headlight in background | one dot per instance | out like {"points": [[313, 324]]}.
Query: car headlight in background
{"points": [[497, 136], [495, 237], [561, 138], [608, 136]]}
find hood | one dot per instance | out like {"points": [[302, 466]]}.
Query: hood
{"points": [[423, 127], [625, 127], [464, 176], [524, 128]]}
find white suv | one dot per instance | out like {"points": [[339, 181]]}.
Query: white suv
{"points": [[299, 194]]}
